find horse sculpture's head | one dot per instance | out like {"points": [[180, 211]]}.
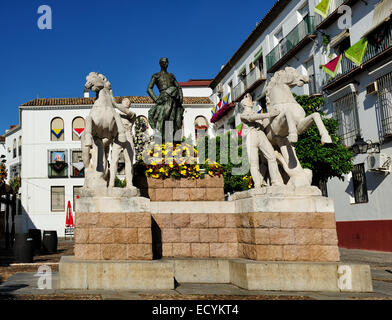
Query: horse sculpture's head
{"points": [[290, 77], [96, 82]]}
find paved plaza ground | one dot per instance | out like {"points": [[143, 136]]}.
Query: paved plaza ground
{"points": [[17, 282]]}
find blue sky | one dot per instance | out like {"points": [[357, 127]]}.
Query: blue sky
{"points": [[121, 39]]}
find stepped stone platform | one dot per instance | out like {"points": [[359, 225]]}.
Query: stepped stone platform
{"points": [[257, 235]]}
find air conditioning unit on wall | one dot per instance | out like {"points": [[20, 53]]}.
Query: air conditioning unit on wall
{"points": [[379, 162], [372, 88]]}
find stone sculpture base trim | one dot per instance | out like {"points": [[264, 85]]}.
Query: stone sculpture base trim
{"points": [[246, 274]]}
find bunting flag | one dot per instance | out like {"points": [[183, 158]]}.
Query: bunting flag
{"points": [[216, 108], [57, 132], [78, 165], [261, 110], [322, 8], [239, 129], [78, 131], [357, 51], [225, 100], [332, 67]]}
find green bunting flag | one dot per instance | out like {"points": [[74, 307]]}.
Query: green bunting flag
{"points": [[322, 8], [356, 52], [332, 67], [239, 129]]}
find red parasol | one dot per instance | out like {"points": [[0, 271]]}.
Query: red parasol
{"points": [[69, 219]]}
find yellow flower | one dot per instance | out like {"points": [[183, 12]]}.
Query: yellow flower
{"points": [[155, 176], [153, 163], [155, 155], [183, 172], [149, 170], [161, 170], [171, 165], [197, 167], [210, 173]]}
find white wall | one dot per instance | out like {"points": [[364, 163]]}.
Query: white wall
{"points": [[196, 91], [9, 145]]}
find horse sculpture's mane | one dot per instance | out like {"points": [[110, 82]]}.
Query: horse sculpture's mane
{"points": [[281, 77]]}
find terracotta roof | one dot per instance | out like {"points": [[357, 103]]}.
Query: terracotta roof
{"points": [[196, 83], [251, 39], [90, 101]]}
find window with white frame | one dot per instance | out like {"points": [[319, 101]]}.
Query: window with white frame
{"points": [[57, 198], [77, 165], [57, 163], [346, 113]]}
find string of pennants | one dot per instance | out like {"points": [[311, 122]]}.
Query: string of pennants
{"points": [[78, 131], [224, 102], [355, 53]]}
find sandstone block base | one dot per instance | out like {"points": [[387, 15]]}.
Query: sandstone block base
{"points": [[115, 275], [246, 274]]}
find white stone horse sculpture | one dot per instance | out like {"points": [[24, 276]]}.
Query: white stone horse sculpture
{"points": [[292, 120], [103, 125]]}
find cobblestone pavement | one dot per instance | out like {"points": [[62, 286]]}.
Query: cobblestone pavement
{"points": [[23, 284]]}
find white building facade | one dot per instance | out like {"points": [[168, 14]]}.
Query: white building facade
{"points": [[293, 34]]}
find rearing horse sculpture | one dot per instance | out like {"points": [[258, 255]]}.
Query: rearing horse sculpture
{"points": [[103, 125], [292, 120]]}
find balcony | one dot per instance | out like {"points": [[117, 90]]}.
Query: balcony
{"points": [[301, 35], [375, 52], [248, 83], [332, 14]]}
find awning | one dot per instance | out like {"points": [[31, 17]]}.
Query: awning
{"points": [[382, 13], [339, 38]]}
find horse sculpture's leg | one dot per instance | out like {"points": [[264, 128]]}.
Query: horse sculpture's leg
{"points": [[307, 122], [88, 137], [285, 121], [116, 150]]}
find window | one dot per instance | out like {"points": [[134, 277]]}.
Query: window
{"points": [[20, 146], [201, 126], [345, 111], [78, 125], [57, 196], [312, 79], [57, 130], [76, 194], [15, 171], [77, 165], [359, 183], [14, 149], [385, 103], [57, 164]]}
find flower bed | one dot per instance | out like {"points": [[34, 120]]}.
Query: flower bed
{"points": [[171, 173]]}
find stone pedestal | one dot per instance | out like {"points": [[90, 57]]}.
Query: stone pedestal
{"points": [[207, 189], [267, 239], [113, 228]]}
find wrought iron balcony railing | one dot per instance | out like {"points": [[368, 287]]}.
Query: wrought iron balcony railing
{"points": [[251, 78], [301, 31], [374, 48]]}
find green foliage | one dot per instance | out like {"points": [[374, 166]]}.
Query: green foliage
{"points": [[326, 161], [233, 157], [3, 173], [15, 184], [118, 183]]}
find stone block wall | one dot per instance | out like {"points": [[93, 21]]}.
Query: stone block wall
{"points": [[113, 236], [198, 235], [288, 236], [207, 189]]}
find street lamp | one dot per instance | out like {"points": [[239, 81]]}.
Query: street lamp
{"points": [[360, 146]]}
